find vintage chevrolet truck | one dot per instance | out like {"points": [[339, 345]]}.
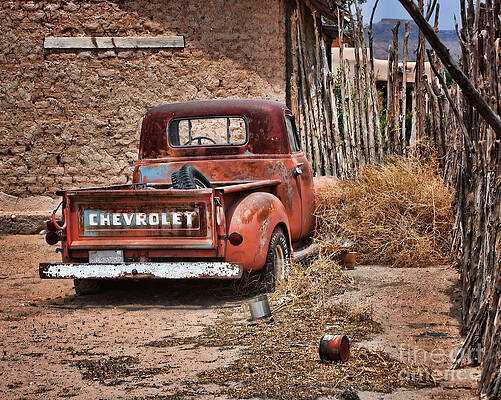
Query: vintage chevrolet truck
{"points": [[220, 187]]}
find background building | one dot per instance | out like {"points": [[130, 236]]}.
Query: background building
{"points": [[71, 117]]}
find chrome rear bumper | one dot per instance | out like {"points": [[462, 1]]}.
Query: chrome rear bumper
{"points": [[151, 270]]}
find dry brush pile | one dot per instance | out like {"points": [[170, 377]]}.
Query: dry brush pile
{"points": [[398, 213]]}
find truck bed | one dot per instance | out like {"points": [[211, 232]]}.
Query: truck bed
{"points": [[147, 231]]}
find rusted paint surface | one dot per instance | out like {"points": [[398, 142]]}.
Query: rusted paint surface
{"points": [[266, 155], [255, 217], [250, 186], [125, 219], [165, 270], [253, 192], [293, 192]]}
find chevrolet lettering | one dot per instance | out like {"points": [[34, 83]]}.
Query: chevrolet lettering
{"points": [[168, 219]]}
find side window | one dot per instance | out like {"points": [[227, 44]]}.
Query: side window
{"points": [[292, 133]]}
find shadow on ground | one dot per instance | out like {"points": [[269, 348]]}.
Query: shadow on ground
{"points": [[143, 294]]}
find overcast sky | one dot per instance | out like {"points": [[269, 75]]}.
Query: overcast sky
{"points": [[393, 9]]}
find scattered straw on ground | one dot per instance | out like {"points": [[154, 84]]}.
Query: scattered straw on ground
{"points": [[398, 213], [281, 358], [112, 371]]}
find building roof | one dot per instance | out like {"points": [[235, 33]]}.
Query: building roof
{"points": [[328, 8], [380, 66]]}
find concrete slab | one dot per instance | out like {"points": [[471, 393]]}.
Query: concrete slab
{"points": [[25, 216]]}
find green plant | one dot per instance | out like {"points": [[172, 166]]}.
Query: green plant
{"points": [[448, 79]]}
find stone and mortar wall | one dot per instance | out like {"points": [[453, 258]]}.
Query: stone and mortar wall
{"points": [[72, 118]]}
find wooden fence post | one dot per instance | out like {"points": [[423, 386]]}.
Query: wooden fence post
{"points": [[404, 88]]}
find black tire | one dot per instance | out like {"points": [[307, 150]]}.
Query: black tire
{"points": [[188, 177], [87, 286], [277, 259]]}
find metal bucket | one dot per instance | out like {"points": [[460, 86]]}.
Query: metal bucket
{"points": [[334, 348], [259, 307]]}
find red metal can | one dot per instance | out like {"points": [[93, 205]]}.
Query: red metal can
{"points": [[334, 348]]}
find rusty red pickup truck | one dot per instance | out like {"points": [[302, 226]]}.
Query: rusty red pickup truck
{"points": [[220, 187]]}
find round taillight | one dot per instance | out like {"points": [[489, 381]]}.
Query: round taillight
{"points": [[235, 238], [51, 238]]}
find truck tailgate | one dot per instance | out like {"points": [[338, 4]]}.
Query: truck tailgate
{"points": [[141, 219]]}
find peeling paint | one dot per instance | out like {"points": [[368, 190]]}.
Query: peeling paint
{"points": [[164, 270], [156, 173]]}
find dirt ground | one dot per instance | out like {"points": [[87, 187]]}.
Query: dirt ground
{"points": [[419, 310], [56, 345]]}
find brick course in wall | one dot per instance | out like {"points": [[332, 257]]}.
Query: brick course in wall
{"points": [[72, 117]]}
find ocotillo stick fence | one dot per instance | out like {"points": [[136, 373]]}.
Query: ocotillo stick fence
{"points": [[344, 123]]}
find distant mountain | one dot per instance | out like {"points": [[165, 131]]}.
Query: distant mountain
{"points": [[383, 37]]}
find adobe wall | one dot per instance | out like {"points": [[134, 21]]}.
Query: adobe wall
{"points": [[72, 118]]}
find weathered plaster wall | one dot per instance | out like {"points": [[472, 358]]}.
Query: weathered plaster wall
{"points": [[72, 118]]}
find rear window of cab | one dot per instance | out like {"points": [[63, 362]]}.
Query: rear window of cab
{"points": [[207, 131]]}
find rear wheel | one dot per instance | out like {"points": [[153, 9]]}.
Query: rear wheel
{"points": [[87, 286], [277, 259]]}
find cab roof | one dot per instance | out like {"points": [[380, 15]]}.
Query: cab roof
{"points": [[201, 108]]}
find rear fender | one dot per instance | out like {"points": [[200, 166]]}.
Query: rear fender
{"points": [[255, 218]]}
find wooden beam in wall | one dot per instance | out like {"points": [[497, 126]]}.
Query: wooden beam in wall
{"points": [[106, 43]]}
